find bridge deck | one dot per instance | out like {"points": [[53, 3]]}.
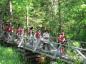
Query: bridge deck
{"points": [[36, 48]]}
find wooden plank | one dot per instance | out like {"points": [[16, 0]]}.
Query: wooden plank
{"points": [[61, 58], [80, 53]]}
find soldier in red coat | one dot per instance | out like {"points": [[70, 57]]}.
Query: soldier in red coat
{"points": [[38, 34], [9, 28], [30, 31], [9, 31], [38, 38], [61, 40], [20, 31], [30, 36], [20, 34]]}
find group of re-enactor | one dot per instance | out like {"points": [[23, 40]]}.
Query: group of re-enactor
{"points": [[38, 35]]}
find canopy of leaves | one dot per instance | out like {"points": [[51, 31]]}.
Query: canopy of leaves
{"points": [[56, 15]]}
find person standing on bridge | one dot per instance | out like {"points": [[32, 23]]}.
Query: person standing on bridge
{"points": [[38, 37], [9, 30], [61, 40], [20, 34], [30, 31], [30, 36], [46, 37]]}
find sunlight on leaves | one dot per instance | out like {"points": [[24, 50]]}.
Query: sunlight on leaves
{"points": [[83, 6], [77, 44]]}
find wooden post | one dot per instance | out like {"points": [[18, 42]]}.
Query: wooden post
{"points": [[59, 11]]}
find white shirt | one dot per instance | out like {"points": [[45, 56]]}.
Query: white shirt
{"points": [[46, 37]]}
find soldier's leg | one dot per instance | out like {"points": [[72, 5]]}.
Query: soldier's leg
{"points": [[21, 41], [37, 44]]}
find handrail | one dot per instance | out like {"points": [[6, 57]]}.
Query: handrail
{"points": [[80, 53], [72, 47], [63, 44]]}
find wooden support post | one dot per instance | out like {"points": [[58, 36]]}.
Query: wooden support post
{"points": [[81, 54]]}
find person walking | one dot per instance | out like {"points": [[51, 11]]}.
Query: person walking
{"points": [[46, 37], [20, 34], [61, 40], [38, 37]]}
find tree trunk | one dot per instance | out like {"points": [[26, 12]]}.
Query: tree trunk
{"points": [[27, 19], [10, 10], [59, 15]]}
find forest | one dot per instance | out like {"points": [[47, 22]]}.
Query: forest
{"points": [[56, 16]]}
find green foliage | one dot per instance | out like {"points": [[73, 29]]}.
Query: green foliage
{"points": [[68, 15], [76, 44], [74, 17], [9, 56]]}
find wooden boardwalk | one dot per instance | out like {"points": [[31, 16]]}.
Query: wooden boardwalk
{"points": [[36, 48]]}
